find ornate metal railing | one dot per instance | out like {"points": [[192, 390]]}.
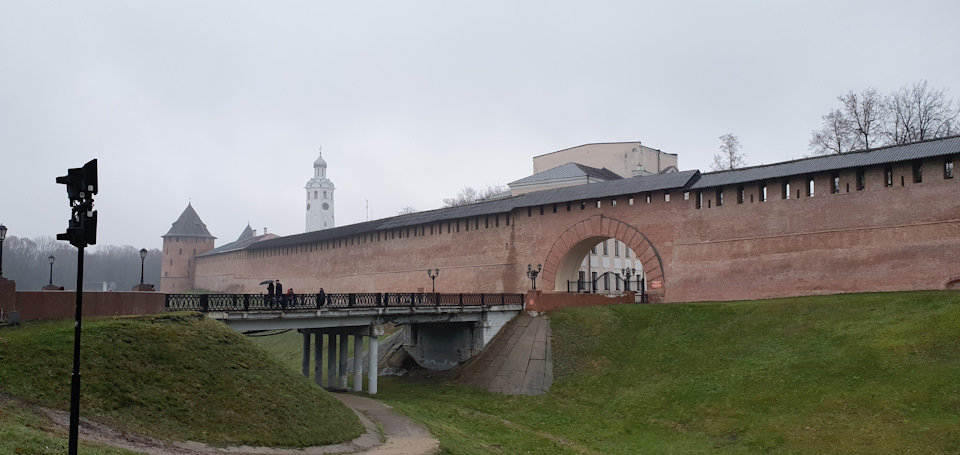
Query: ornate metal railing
{"points": [[260, 302]]}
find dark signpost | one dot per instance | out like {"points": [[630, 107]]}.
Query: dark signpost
{"points": [[81, 231]]}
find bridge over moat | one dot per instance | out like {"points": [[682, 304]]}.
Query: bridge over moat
{"points": [[444, 329]]}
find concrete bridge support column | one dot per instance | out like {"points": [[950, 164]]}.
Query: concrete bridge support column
{"points": [[331, 360], [318, 358], [358, 363], [373, 356], [343, 360], [305, 361]]}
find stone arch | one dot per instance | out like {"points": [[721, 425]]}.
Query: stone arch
{"points": [[567, 252], [952, 283]]}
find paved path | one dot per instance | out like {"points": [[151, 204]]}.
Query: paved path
{"points": [[403, 436]]}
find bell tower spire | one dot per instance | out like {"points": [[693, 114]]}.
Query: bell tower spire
{"points": [[319, 197]]}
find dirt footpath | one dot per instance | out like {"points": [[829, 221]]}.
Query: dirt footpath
{"points": [[400, 436]]}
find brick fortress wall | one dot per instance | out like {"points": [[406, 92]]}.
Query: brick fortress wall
{"points": [[903, 237]]}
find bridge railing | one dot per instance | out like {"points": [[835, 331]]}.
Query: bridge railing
{"points": [[260, 302]]}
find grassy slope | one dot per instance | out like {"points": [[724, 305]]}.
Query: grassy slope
{"points": [[861, 373], [173, 377], [24, 431]]}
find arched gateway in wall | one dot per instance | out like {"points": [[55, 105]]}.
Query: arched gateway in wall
{"points": [[567, 252]]}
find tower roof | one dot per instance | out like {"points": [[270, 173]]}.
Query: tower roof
{"points": [[189, 225], [246, 234], [320, 161]]}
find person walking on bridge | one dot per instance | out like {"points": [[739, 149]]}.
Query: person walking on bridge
{"points": [[279, 289], [269, 299]]}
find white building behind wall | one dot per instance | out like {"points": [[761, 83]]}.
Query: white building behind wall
{"points": [[604, 266]]}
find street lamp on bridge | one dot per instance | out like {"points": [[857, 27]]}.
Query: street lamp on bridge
{"points": [[532, 274], [433, 274], [3, 235], [51, 259], [627, 273], [143, 256]]}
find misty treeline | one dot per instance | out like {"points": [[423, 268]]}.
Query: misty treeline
{"points": [[26, 262], [870, 119]]}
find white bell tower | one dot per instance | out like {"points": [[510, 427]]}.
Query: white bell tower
{"points": [[319, 197]]}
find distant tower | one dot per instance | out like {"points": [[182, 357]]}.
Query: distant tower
{"points": [[187, 238], [319, 197]]}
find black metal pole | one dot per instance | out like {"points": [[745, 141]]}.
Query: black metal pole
{"points": [[141, 270], [1, 258], [75, 378], [51, 274], [433, 279]]}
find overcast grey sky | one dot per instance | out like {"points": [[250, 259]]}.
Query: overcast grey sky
{"points": [[224, 103]]}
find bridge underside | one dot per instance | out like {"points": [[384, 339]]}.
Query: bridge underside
{"points": [[437, 338]]}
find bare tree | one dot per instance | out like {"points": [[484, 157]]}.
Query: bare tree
{"points": [[730, 156], [406, 210], [469, 195], [865, 113], [835, 136], [918, 112]]}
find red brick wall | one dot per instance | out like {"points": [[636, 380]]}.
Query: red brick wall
{"points": [[552, 300], [8, 296], [35, 305], [879, 239]]}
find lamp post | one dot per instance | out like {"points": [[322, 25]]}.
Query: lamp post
{"points": [[532, 274], [627, 273], [3, 235], [143, 256], [51, 259], [433, 274]]}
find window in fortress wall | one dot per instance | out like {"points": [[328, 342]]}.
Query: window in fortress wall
{"points": [[888, 176], [740, 193], [948, 168], [861, 179], [719, 197], [785, 189], [809, 186], [762, 192], [917, 171], [835, 179], [698, 202], [666, 197]]}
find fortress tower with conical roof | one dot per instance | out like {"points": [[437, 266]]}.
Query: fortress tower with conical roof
{"points": [[187, 238], [319, 198]]}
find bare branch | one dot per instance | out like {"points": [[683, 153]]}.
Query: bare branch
{"points": [[730, 156]]}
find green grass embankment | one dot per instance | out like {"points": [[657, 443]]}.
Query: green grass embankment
{"points": [[172, 377], [859, 373]]}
